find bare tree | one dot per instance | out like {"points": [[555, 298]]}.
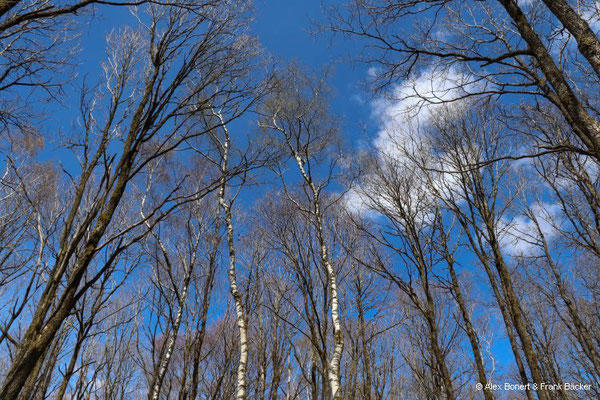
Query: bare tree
{"points": [[306, 131], [226, 204], [478, 205], [174, 251], [149, 117], [491, 48], [299, 289], [395, 192]]}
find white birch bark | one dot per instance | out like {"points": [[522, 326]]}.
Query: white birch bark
{"points": [[158, 381], [289, 379], [237, 297], [338, 338], [171, 336]]}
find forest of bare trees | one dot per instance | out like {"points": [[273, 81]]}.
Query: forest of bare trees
{"points": [[205, 226]]}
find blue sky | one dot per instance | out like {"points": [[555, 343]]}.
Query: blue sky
{"points": [[284, 28]]}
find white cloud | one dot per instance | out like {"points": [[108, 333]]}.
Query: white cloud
{"points": [[358, 99], [525, 2], [412, 104], [520, 235], [403, 113], [355, 202], [372, 72]]}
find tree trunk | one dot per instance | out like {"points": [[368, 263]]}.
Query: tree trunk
{"points": [[446, 379], [581, 332], [237, 296], [338, 335], [458, 296], [199, 342], [7, 5], [517, 316], [368, 383], [584, 124], [587, 41], [172, 339], [338, 338], [506, 315]]}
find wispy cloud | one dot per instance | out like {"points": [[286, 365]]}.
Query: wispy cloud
{"points": [[411, 105], [520, 234]]}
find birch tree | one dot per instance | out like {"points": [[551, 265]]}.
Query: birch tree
{"points": [[299, 116], [226, 204], [148, 87]]}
